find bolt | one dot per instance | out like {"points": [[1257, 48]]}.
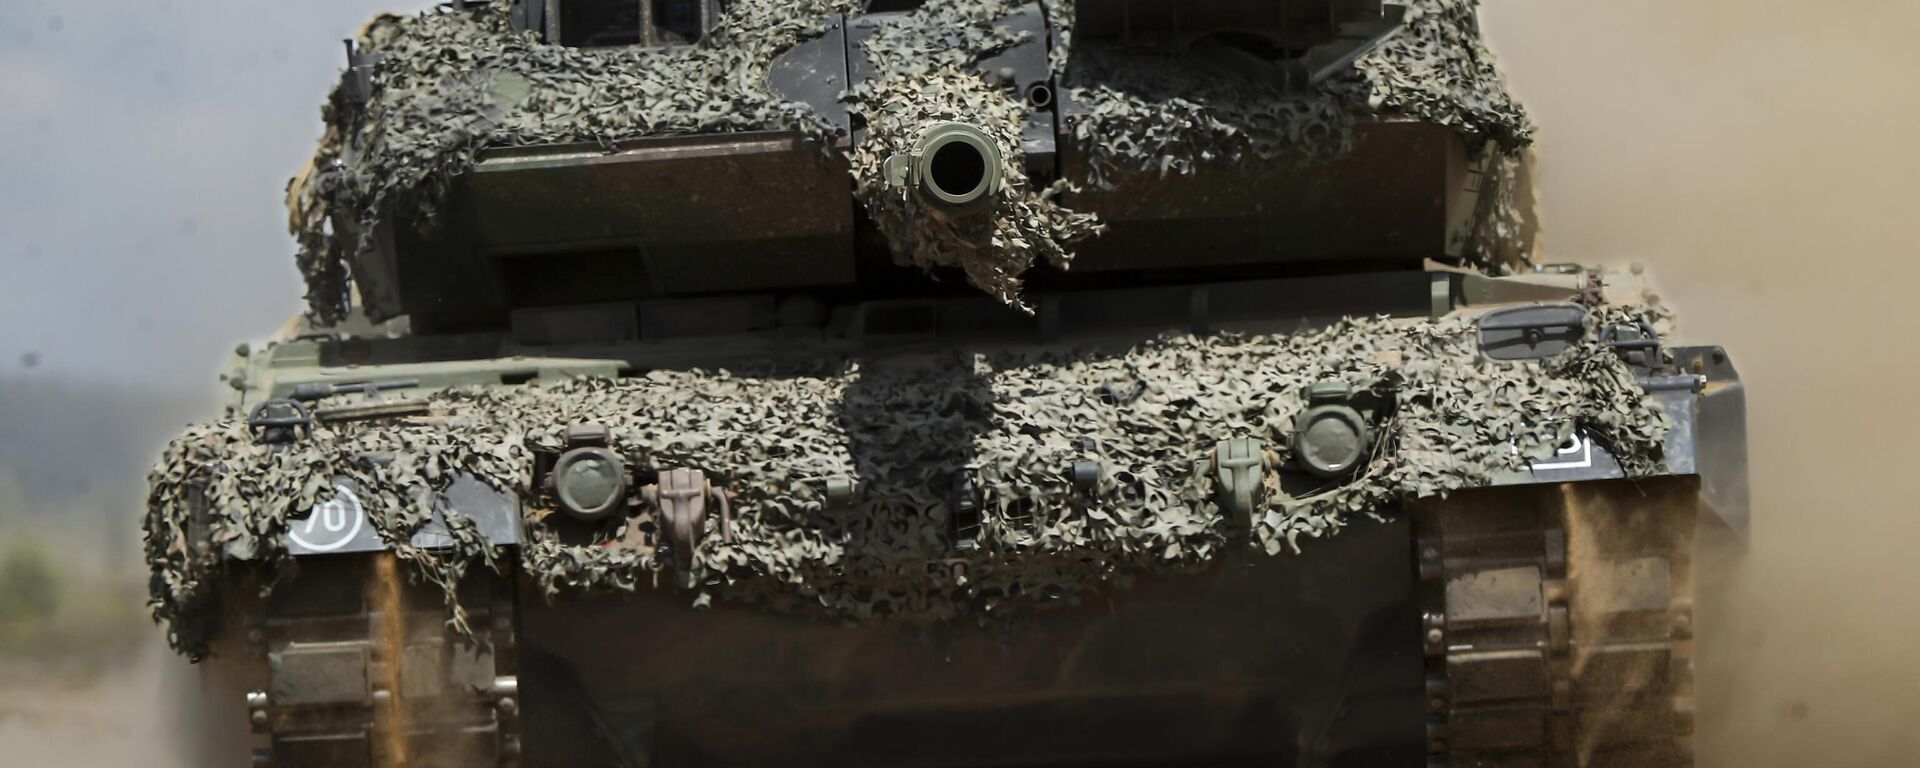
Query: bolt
{"points": [[259, 717], [507, 706], [1430, 553], [1435, 636]]}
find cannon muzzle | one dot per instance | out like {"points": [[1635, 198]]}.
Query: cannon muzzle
{"points": [[954, 167]]}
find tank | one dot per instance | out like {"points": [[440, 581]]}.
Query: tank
{"points": [[944, 383]]}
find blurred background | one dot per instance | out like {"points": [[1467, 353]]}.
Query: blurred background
{"points": [[1758, 156]]}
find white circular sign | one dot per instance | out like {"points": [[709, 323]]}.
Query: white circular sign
{"points": [[332, 524]]}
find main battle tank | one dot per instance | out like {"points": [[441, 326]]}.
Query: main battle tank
{"points": [[956, 383]]}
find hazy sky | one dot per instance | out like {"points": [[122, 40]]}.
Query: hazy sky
{"points": [[144, 146]]}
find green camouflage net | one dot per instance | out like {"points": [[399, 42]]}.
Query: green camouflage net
{"points": [[450, 84], [902, 428]]}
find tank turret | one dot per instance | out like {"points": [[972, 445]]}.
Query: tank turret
{"points": [[1190, 131]]}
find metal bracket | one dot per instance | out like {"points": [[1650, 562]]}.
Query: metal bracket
{"points": [[356, 83], [841, 491], [964, 515], [1638, 344]]}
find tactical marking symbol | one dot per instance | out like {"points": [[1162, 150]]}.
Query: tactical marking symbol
{"points": [[1577, 453], [332, 524]]}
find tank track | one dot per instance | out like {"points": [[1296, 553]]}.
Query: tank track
{"points": [[363, 671], [1558, 625]]}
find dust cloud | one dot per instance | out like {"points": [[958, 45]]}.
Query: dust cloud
{"points": [[1760, 158], [150, 709]]}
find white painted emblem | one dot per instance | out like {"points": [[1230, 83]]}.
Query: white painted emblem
{"points": [[1577, 453], [332, 524]]}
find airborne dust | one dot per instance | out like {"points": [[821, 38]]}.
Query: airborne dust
{"points": [[1758, 157]]}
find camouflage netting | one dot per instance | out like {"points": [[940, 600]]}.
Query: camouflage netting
{"points": [[1150, 416], [1161, 113], [1438, 69], [450, 84], [1168, 113]]}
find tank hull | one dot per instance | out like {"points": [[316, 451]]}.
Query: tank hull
{"points": [[1312, 660]]}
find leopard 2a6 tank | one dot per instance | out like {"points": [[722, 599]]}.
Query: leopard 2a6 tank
{"points": [[944, 383]]}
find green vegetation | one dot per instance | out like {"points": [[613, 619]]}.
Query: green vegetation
{"points": [[29, 590], [59, 621]]}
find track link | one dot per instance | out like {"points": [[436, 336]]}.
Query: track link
{"points": [[1558, 625], [362, 670]]}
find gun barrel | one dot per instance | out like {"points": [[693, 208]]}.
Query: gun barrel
{"points": [[954, 167]]}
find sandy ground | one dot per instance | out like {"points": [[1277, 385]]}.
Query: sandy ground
{"points": [[1758, 156], [130, 717]]}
